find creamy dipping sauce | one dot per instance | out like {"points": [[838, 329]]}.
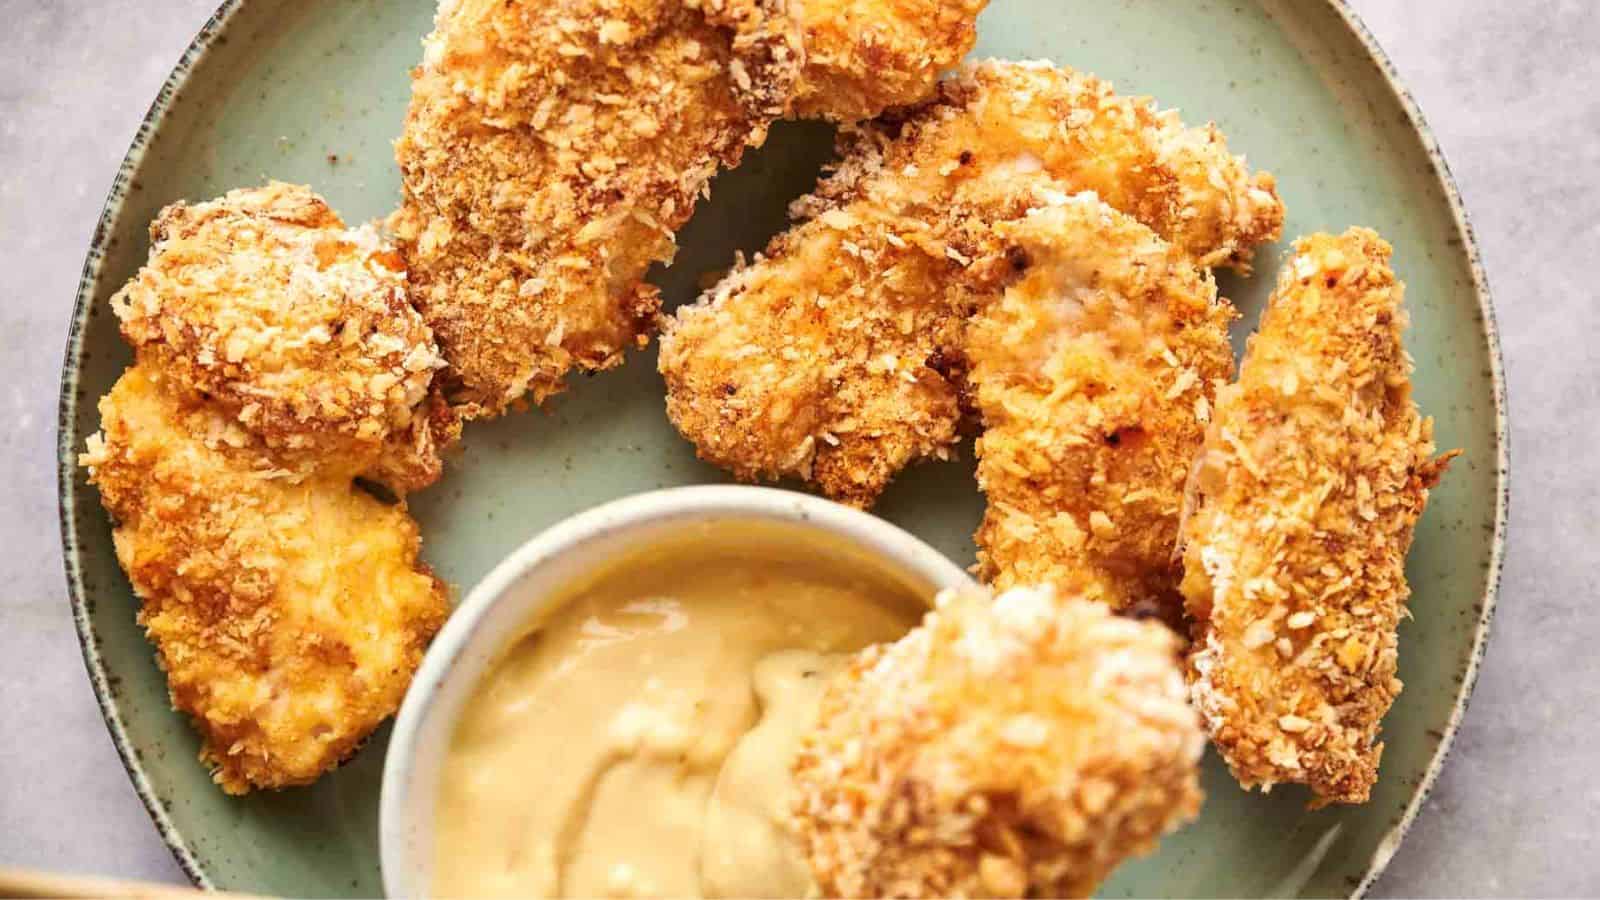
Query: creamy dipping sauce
{"points": [[637, 742]]}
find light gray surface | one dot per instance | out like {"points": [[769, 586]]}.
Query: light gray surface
{"points": [[1509, 90]]}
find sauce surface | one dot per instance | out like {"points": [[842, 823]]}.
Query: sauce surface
{"points": [[637, 742]]}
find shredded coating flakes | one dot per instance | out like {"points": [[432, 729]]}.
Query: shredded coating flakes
{"points": [[1023, 745], [862, 58], [277, 360], [263, 303], [1315, 469], [1087, 369], [832, 359], [550, 152], [552, 149], [838, 356]]}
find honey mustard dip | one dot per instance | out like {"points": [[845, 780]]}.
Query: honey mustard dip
{"points": [[637, 741]]}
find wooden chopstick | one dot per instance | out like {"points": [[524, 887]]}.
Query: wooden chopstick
{"points": [[15, 882]]}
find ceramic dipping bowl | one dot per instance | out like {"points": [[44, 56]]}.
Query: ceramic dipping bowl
{"points": [[538, 576]]}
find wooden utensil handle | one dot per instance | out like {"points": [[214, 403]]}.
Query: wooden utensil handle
{"points": [[15, 882]]}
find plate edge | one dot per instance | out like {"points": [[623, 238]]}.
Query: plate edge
{"points": [[1390, 843], [206, 37], [66, 416]]}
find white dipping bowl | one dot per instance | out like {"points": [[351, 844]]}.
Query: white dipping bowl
{"points": [[522, 589]]}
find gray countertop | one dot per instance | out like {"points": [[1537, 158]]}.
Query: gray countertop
{"points": [[1509, 88]]}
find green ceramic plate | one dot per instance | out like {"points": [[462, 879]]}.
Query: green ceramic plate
{"points": [[314, 92]]}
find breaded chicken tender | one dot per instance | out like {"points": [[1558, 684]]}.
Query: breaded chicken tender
{"points": [[1026, 117], [862, 58], [1315, 470], [833, 359], [1020, 745], [287, 614], [550, 151], [837, 356], [277, 361], [265, 304], [1093, 372]]}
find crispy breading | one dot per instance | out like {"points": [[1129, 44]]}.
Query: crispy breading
{"points": [[288, 615], [862, 58], [832, 359], [1093, 371], [265, 304], [1024, 117], [836, 356], [1315, 470], [1020, 745], [278, 360], [550, 151]]}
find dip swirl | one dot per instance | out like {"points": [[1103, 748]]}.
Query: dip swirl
{"points": [[637, 742]]}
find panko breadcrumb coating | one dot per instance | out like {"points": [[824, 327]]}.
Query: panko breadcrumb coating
{"points": [[277, 361], [288, 615], [862, 58], [1032, 116], [837, 357], [1315, 470], [833, 359], [553, 148], [1093, 371], [263, 303], [1023, 745], [550, 151]]}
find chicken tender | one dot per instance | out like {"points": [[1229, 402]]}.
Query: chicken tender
{"points": [[288, 615], [834, 359], [1315, 470], [1093, 371], [278, 360], [263, 303], [862, 58], [837, 356], [550, 151], [1023, 745]]}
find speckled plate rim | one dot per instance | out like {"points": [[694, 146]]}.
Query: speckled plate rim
{"points": [[1390, 843], [66, 452], [67, 412]]}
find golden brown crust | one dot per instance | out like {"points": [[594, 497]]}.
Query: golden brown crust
{"points": [[836, 357], [265, 304], [1034, 117], [288, 615], [550, 152], [1010, 746], [278, 360], [1093, 371], [1315, 470], [863, 58], [831, 359]]}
